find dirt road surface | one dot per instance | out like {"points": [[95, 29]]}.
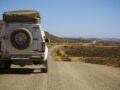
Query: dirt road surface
{"points": [[61, 76]]}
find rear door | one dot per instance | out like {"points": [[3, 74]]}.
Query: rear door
{"points": [[34, 47], [37, 39]]}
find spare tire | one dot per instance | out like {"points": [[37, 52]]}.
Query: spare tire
{"points": [[21, 38]]}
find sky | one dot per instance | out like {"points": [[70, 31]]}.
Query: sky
{"points": [[73, 18]]}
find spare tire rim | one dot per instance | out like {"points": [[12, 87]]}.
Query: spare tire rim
{"points": [[21, 38]]}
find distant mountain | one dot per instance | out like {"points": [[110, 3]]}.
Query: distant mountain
{"points": [[111, 39]]}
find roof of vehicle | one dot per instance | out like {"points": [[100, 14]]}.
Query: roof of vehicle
{"points": [[21, 16]]}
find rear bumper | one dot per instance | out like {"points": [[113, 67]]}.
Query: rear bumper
{"points": [[22, 57]]}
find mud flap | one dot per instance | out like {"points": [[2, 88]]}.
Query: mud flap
{"points": [[44, 67]]}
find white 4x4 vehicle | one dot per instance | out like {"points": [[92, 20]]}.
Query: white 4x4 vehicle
{"points": [[22, 41]]}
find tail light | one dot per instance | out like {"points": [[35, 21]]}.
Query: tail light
{"points": [[43, 47]]}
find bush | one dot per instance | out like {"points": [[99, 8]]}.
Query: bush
{"points": [[65, 58], [58, 53], [92, 51]]}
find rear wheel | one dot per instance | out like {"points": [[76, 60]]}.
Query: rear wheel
{"points": [[44, 67], [44, 70], [5, 65]]}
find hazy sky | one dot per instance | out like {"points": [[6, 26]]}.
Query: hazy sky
{"points": [[73, 18]]}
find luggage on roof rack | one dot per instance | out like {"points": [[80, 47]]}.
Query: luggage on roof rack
{"points": [[22, 16]]}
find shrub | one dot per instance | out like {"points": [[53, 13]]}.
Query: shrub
{"points": [[65, 58], [92, 51], [58, 53]]}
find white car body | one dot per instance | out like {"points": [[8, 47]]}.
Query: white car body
{"points": [[32, 52], [22, 41]]}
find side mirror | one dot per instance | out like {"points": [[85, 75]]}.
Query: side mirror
{"points": [[47, 40]]}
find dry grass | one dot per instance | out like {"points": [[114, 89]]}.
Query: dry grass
{"points": [[50, 46], [103, 55], [92, 51], [65, 58], [107, 43]]}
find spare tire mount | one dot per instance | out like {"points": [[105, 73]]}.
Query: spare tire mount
{"points": [[21, 38]]}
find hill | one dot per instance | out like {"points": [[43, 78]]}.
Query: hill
{"points": [[53, 38], [56, 39]]}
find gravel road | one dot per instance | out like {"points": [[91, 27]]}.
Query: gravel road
{"points": [[61, 76]]}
